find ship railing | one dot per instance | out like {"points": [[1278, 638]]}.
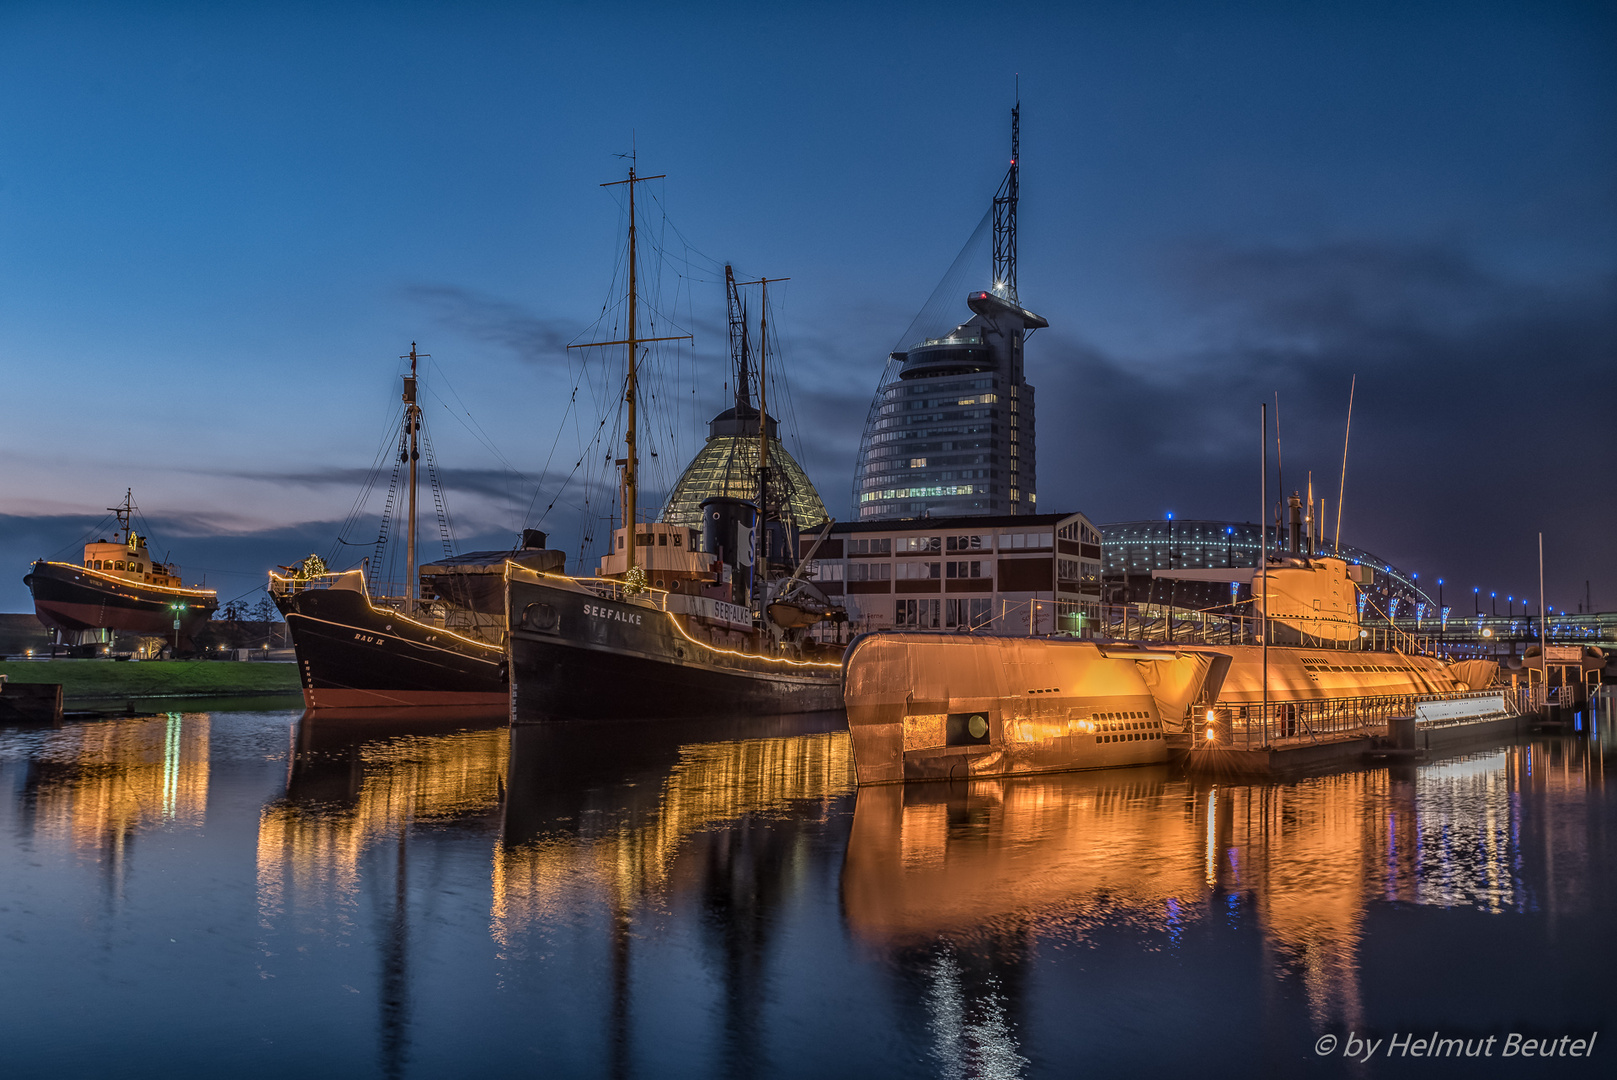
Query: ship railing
{"points": [[624, 593], [1172, 625], [298, 583], [1254, 725]]}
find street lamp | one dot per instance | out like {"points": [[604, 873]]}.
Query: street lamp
{"points": [[176, 608], [1493, 599], [1476, 599]]}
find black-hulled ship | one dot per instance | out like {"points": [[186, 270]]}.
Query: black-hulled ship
{"points": [[438, 644], [117, 586], [703, 617]]}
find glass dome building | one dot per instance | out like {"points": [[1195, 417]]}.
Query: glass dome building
{"points": [[727, 466]]}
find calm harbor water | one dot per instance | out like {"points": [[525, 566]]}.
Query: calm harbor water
{"points": [[251, 894]]}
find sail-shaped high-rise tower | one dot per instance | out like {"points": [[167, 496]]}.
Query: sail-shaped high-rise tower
{"points": [[950, 432]]}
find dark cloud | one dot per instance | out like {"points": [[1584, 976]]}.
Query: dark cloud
{"points": [[1484, 409], [531, 337]]}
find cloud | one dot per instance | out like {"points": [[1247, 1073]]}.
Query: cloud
{"points": [[1483, 404], [530, 337]]}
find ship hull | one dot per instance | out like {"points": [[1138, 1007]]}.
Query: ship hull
{"points": [[1054, 705], [577, 656], [353, 655], [72, 599]]}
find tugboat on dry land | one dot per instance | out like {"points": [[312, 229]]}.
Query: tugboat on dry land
{"points": [[118, 586], [677, 623], [439, 643]]}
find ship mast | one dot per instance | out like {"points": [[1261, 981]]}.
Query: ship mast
{"points": [[412, 428], [630, 462], [126, 514], [763, 430]]}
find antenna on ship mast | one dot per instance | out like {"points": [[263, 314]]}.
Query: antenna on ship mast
{"points": [[630, 461], [125, 513], [1005, 211]]}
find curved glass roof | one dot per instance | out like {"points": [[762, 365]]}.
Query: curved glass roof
{"points": [[728, 466]]}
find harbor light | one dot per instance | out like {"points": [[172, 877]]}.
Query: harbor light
{"points": [[1487, 632]]}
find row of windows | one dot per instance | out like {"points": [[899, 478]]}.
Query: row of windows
{"points": [[969, 613], [1076, 570], [921, 545], [933, 492], [118, 564]]}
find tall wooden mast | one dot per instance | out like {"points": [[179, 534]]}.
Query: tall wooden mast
{"points": [[630, 462], [412, 430]]}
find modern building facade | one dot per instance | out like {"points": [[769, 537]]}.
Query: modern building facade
{"points": [[1009, 574], [951, 430], [953, 434]]}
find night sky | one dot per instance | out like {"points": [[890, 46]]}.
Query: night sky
{"points": [[220, 225]]}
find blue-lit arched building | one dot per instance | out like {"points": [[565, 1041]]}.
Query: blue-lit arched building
{"points": [[1130, 550]]}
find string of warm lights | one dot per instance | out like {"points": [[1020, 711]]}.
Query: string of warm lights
{"points": [[393, 613], [127, 581], [662, 606]]}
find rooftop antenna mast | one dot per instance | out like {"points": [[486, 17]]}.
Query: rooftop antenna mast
{"points": [[1005, 212]]}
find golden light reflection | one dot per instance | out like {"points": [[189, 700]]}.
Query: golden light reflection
{"points": [[346, 797], [99, 782], [1061, 855], [634, 859]]}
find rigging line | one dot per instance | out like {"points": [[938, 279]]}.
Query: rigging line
{"points": [[576, 466], [490, 447], [352, 517], [538, 488], [479, 433], [99, 526]]}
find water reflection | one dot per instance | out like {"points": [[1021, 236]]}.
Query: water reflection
{"points": [[353, 787], [93, 786], [717, 899], [356, 789], [944, 877], [630, 819]]}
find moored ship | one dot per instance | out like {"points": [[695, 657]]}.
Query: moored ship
{"points": [[118, 586], [439, 645], [683, 621], [956, 706]]}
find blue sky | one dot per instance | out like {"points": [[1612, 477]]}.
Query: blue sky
{"points": [[221, 225]]}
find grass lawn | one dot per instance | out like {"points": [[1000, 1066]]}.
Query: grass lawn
{"points": [[155, 678]]}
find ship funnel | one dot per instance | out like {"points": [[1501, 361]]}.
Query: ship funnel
{"points": [[1296, 507], [533, 539], [729, 535]]}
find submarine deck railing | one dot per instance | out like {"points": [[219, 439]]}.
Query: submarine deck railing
{"points": [[1169, 625], [1250, 727]]}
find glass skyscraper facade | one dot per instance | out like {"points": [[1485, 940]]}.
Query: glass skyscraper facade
{"points": [[953, 434]]}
